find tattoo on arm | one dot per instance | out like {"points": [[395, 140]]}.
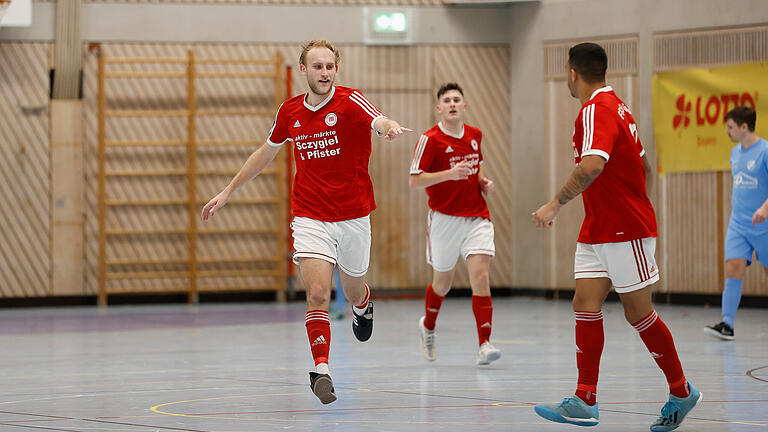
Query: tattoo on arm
{"points": [[575, 185]]}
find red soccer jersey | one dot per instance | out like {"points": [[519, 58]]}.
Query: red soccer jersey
{"points": [[439, 150], [332, 147], [616, 204]]}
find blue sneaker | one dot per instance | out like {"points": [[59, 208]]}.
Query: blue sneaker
{"points": [[571, 410], [675, 410]]}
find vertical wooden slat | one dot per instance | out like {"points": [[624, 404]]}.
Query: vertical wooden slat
{"points": [[280, 196], [102, 215], [191, 177]]}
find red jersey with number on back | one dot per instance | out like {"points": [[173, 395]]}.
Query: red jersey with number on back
{"points": [[332, 147], [616, 204], [439, 150]]}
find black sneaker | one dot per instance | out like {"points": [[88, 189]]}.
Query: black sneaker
{"points": [[720, 330], [322, 387], [362, 325]]}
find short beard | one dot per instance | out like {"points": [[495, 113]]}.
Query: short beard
{"points": [[316, 90]]}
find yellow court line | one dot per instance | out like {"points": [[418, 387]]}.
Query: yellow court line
{"points": [[157, 410]]}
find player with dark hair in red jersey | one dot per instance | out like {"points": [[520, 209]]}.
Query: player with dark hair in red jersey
{"points": [[616, 244], [448, 163], [330, 127]]}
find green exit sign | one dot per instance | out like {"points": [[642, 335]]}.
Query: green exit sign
{"points": [[390, 22]]}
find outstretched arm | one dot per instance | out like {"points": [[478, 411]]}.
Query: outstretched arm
{"points": [[251, 168], [582, 176], [389, 129]]}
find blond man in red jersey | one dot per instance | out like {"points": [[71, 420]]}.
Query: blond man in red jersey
{"points": [[330, 127]]}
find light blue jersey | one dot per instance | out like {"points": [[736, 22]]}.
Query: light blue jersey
{"points": [[750, 186]]}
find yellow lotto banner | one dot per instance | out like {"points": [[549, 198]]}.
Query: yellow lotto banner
{"points": [[689, 108]]}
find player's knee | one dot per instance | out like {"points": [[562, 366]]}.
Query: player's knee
{"points": [[735, 269], [441, 290], [480, 278], [635, 313], [356, 297], [629, 316], [317, 295], [582, 303]]}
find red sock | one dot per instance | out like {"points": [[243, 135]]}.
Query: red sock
{"points": [[432, 304], [589, 348], [658, 340], [483, 309], [319, 334], [364, 304]]}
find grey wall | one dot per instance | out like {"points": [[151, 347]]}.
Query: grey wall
{"points": [[263, 23]]}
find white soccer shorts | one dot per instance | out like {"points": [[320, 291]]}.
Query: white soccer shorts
{"points": [[447, 236], [629, 265], [344, 243]]}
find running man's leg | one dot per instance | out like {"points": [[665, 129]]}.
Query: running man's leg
{"points": [[436, 292], [738, 256], [658, 339], [588, 302], [433, 299], [316, 275], [355, 289], [734, 279], [639, 312], [591, 290], [354, 251], [482, 306], [359, 294]]}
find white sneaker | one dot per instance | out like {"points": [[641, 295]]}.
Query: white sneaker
{"points": [[487, 354], [427, 341]]}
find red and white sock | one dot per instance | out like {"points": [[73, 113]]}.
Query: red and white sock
{"points": [[658, 340], [319, 334], [432, 303], [360, 309], [590, 339], [482, 306]]}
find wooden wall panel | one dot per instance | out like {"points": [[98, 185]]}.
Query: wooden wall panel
{"points": [[691, 233], [401, 81], [24, 170], [167, 93], [689, 200]]}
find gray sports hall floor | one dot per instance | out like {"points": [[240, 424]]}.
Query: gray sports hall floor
{"points": [[243, 367]]}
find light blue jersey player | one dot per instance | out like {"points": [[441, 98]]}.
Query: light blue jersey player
{"points": [[747, 229]]}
